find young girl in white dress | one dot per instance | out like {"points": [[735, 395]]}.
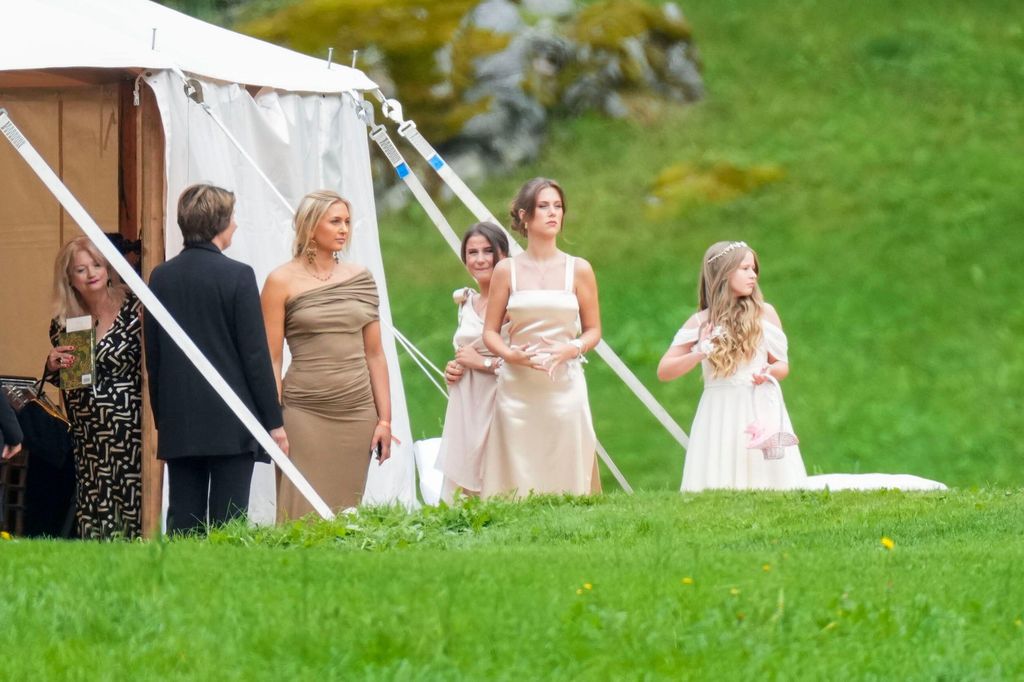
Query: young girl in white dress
{"points": [[472, 375], [737, 339]]}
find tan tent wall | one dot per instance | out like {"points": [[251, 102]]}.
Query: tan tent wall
{"points": [[110, 154]]}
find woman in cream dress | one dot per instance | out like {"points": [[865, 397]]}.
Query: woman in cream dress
{"points": [[472, 375], [542, 437], [335, 397]]}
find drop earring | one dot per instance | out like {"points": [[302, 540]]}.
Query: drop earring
{"points": [[336, 256], [310, 254]]}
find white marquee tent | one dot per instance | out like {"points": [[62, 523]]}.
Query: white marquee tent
{"points": [[97, 87]]}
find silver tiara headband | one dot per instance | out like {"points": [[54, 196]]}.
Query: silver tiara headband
{"points": [[732, 247]]}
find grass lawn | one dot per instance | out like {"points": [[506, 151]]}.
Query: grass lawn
{"points": [[890, 248], [654, 586]]}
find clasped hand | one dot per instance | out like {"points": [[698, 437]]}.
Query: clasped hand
{"points": [[546, 356], [465, 357]]}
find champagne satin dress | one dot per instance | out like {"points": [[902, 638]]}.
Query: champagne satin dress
{"points": [[329, 413], [542, 437]]}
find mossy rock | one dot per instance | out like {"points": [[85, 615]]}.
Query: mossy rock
{"points": [[686, 184], [406, 33], [604, 25]]}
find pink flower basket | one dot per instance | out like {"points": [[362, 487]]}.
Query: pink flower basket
{"points": [[772, 440]]}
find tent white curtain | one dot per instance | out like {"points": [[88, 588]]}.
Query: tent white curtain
{"points": [[302, 142]]}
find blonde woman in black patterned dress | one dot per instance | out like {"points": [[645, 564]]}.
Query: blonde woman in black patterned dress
{"points": [[105, 418]]}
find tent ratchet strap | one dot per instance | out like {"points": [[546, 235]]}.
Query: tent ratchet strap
{"points": [[155, 308], [407, 129], [451, 178], [379, 134]]}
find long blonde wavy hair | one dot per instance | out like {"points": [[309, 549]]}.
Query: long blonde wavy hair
{"points": [[311, 211], [67, 302], [738, 316]]}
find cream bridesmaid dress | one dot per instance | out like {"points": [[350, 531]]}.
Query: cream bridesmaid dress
{"points": [[542, 437], [467, 420]]}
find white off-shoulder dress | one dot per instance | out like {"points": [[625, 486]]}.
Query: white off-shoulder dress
{"points": [[718, 456]]}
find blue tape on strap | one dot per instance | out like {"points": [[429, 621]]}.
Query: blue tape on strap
{"points": [[436, 161], [402, 169]]}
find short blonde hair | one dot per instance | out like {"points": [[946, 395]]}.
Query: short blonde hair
{"points": [[311, 211], [67, 302]]}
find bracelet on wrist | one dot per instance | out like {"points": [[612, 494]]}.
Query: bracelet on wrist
{"points": [[384, 422], [578, 344]]}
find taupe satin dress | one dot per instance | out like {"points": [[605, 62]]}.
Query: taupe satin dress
{"points": [[329, 413], [542, 436]]}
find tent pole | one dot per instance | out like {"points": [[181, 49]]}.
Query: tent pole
{"points": [[155, 308]]}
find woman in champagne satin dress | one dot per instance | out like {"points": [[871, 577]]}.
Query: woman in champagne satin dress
{"points": [[542, 436], [335, 396]]}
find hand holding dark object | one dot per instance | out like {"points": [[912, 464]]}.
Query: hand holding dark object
{"points": [[10, 451], [380, 444]]}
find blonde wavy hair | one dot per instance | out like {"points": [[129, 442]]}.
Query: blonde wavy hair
{"points": [[67, 302], [311, 211], [738, 316]]}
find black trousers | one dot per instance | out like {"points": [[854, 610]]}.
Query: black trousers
{"points": [[207, 491]]}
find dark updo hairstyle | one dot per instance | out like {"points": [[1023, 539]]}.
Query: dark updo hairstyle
{"points": [[526, 200], [494, 235]]}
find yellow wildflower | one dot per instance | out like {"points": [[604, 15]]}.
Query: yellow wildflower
{"points": [[579, 591], [766, 568], [687, 580], [4, 535], [887, 542], [587, 586], [734, 591]]}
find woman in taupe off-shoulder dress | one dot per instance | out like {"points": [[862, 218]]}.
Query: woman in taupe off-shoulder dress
{"points": [[335, 395]]}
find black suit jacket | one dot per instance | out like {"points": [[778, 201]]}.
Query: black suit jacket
{"points": [[216, 301], [10, 431]]}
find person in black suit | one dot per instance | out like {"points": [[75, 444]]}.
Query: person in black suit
{"points": [[209, 453], [10, 432]]}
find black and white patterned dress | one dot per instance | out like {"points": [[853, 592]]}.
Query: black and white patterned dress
{"points": [[106, 424]]}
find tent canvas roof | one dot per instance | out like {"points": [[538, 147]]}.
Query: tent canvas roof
{"points": [[46, 34]]}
